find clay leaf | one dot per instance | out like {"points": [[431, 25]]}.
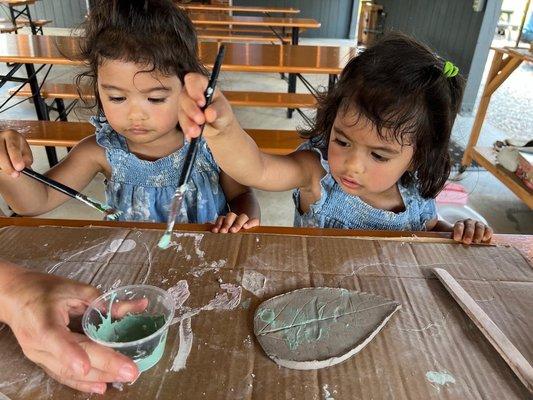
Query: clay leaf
{"points": [[318, 327]]}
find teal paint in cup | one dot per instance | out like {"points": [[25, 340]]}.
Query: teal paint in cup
{"points": [[132, 320]]}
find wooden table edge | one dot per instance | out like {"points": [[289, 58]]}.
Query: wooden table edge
{"points": [[523, 243]]}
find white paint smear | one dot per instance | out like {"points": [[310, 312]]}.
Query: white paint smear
{"points": [[197, 237], [207, 267], [147, 275], [254, 282], [55, 267], [228, 300], [185, 346], [327, 394], [116, 246], [180, 293]]}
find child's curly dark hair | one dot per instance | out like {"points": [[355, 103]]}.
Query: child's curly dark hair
{"points": [[399, 85], [153, 33]]}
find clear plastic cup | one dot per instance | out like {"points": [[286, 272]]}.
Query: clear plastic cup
{"points": [[133, 320]]}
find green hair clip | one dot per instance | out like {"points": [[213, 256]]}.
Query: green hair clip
{"points": [[450, 70]]}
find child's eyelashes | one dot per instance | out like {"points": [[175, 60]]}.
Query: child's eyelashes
{"points": [[340, 142], [378, 157], [116, 99], [157, 101]]}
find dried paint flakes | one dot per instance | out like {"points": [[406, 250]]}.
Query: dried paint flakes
{"points": [[438, 379], [254, 282]]}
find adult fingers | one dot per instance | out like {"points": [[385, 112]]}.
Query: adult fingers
{"points": [[121, 308], [108, 365], [72, 361], [82, 386]]}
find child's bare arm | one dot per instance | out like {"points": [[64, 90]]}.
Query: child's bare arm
{"points": [[235, 151], [244, 207], [29, 197]]}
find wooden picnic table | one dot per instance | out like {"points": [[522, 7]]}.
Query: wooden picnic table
{"points": [[505, 61], [16, 13], [430, 332], [15, 3], [28, 50], [267, 10], [227, 20], [240, 57]]}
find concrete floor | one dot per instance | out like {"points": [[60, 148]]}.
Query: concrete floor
{"points": [[498, 205]]}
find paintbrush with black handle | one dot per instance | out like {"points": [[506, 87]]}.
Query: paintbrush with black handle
{"points": [[175, 205], [109, 212]]}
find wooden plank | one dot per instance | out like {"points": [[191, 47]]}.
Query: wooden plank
{"points": [[281, 230], [507, 350], [250, 9], [240, 57], [522, 242], [222, 19], [227, 36], [485, 157], [68, 134], [68, 91], [16, 3]]}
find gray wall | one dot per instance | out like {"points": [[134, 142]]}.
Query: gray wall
{"points": [[63, 13], [334, 15], [453, 29]]}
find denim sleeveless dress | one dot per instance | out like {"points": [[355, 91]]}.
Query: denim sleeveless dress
{"points": [[142, 190], [338, 209]]}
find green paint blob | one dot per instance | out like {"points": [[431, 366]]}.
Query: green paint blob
{"points": [[128, 329], [267, 315], [164, 242], [439, 378], [246, 304]]}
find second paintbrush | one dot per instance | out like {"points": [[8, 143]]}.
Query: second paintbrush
{"points": [[109, 212], [177, 199]]}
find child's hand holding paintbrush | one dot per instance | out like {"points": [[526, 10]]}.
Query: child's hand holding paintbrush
{"points": [[30, 197]]}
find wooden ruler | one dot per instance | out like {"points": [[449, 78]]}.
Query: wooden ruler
{"points": [[512, 356]]}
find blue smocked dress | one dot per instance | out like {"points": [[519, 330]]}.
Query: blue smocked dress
{"points": [[338, 209], [142, 190]]}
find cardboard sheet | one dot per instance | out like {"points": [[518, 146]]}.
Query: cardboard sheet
{"points": [[428, 350]]}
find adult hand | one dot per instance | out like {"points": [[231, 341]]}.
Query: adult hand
{"points": [[38, 308]]}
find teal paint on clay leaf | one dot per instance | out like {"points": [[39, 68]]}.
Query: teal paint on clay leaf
{"points": [[315, 327]]}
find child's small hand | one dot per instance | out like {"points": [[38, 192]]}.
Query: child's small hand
{"points": [[234, 223], [15, 153], [217, 116], [469, 231]]}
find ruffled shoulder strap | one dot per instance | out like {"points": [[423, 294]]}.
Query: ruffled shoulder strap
{"points": [[106, 136], [307, 145]]}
